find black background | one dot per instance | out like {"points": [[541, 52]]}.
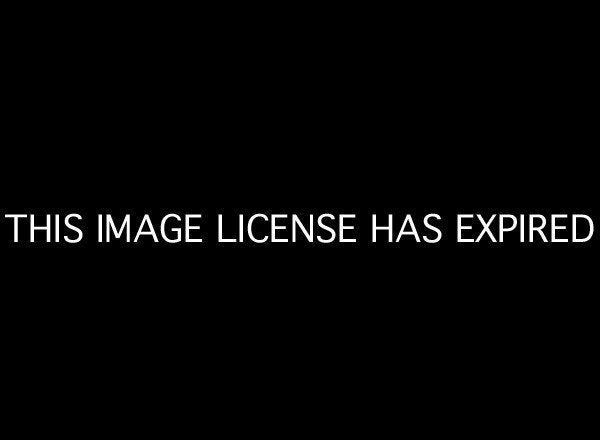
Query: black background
{"points": [[386, 112]]}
